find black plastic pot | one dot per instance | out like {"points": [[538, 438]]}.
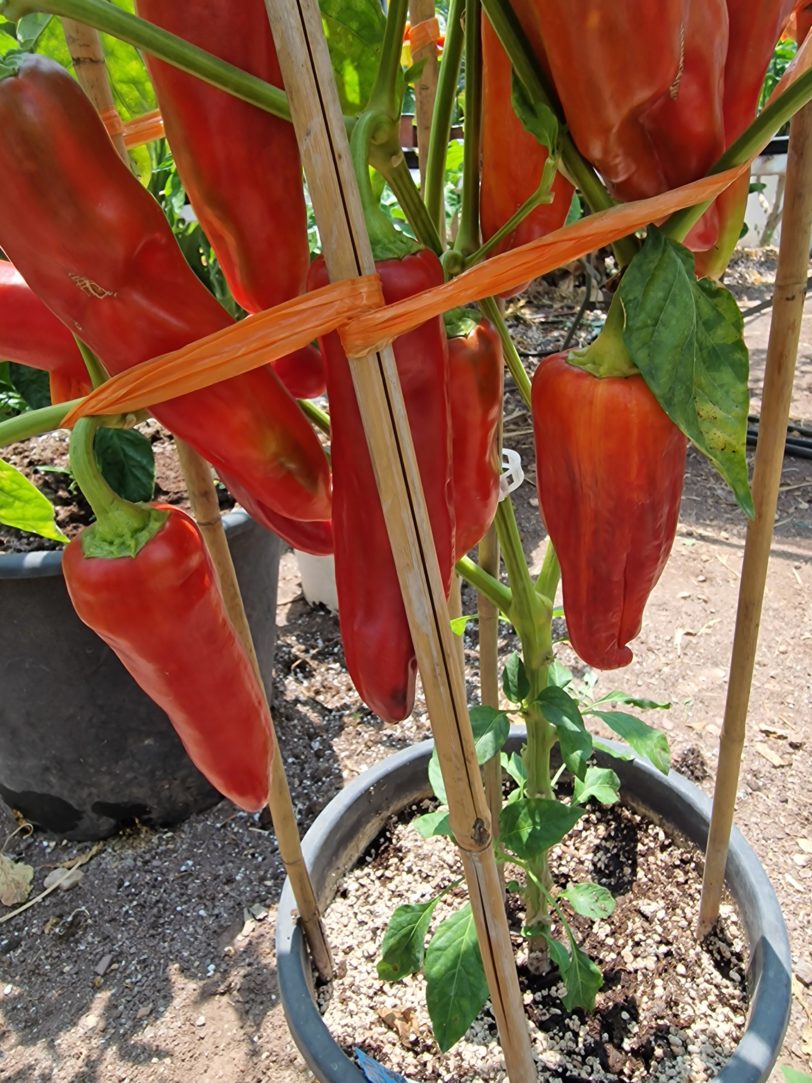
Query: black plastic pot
{"points": [[355, 816], [82, 750]]}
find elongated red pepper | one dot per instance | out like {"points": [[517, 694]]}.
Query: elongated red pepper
{"points": [[239, 164], [610, 468], [512, 159], [314, 537], [476, 371], [302, 372], [141, 579], [30, 334], [377, 642], [94, 245]]}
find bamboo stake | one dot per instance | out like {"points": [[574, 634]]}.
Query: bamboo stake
{"points": [[91, 70], [455, 610], [788, 305], [308, 77], [425, 88]]}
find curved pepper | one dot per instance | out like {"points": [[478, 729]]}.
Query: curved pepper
{"points": [[302, 372], [95, 246], [512, 159], [374, 628], [239, 164], [152, 596], [476, 372], [31, 335], [314, 537], [609, 468]]}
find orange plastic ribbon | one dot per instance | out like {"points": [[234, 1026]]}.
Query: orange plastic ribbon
{"points": [[424, 33], [255, 341], [112, 121], [143, 129]]}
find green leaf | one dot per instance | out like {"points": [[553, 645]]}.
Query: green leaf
{"points": [[126, 460], [23, 506], [532, 825], [536, 118], [459, 624], [686, 337], [582, 979], [32, 384], [792, 1075], [436, 779], [648, 742], [623, 753], [456, 988], [563, 712], [514, 679], [491, 729], [515, 766], [599, 782], [354, 32], [402, 947], [433, 823], [632, 701], [590, 900], [30, 29], [558, 675]]}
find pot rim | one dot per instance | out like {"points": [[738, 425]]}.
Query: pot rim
{"points": [[41, 563], [351, 820]]}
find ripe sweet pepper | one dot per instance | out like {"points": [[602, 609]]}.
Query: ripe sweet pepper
{"points": [[94, 245], [375, 631], [141, 578], [30, 334], [609, 468]]}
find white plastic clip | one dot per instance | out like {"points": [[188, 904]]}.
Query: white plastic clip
{"points": [[512, 473]]}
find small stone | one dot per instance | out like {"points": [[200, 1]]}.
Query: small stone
{"points": [[144, 1011], [200, 1021], [103, 965], [803, 972], [64, 878]]}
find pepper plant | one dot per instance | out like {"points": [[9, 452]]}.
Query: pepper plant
{"points": [[554, 107]]}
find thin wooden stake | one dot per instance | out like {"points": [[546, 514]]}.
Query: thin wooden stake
{"points": [[425, 88], [91, 71], [788, 305], [316, 113]]}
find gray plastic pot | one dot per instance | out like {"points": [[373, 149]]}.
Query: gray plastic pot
{"points": [[354, 817], [83, 750]]}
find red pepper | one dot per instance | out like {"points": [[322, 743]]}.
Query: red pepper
{"points": [[239, 164], [609, 467], [141, 579], [94, 245], [30, 334], [303, 373], [512, 159], [476, 372], [309, 536], [374, 628]]}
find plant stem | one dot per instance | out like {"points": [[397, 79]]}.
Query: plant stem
{"points": [[486, 584], [387, 242], [441, 121], [550, 574], [541, 195], [385, 97], [467, 240], [95, 369], [514, 363], [105, 16], [402, 184], [35, 422], [319, 417]]}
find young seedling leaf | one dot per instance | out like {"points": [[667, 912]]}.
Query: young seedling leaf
{"points": [[590, 900], [433, 823], [531, 825], [23, 506], [686, 337], [491, 729], [403, 942], [599, 782], [436, 778], [514, 679], [648, 742], [562, 711], [126, 460], [456, 987]]}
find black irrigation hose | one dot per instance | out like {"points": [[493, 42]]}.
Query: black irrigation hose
{"points": [[762, 306], [798, 443]]}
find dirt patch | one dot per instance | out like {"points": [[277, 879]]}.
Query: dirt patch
{"points": [[187, 916]]}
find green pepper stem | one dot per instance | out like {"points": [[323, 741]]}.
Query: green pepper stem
{"points": [[514, 363], [384, 97], [105, 16], [541, 195], [319, 417], [550, 574], [400, 180], [35, 422], [95, 369], [467, 240], [486, 584], [441, 118], [387, 242], [608, 355]]}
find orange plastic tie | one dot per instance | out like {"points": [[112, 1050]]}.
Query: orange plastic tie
{"points": [[112, 121], [424, 34], [255, 341], [143, 129]]}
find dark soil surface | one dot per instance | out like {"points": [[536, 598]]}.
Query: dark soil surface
{"points": [[158, 964]]}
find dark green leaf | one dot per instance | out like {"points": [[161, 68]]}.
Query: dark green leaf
{"points": [[532, 825], [599, 782], [402, 947], [515, 767], [559, 676], [558, 953], [686, 337], [23, 506], [562, 711], [648, 742], [536, 118], [590, 900], [30, 29], [32, 384], [126, 460], [431, 824], [582, 980], [514, 679], [456, 988], [436, 779], [622, 752], [354, 32], [491, 729]]}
